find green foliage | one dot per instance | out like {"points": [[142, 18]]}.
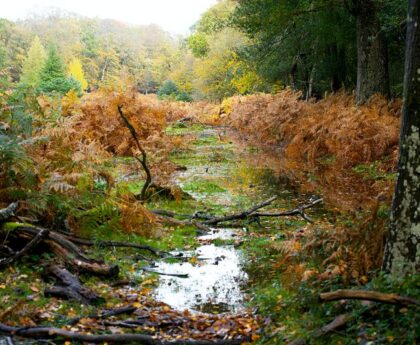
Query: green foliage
{"points": [[198, 44], [171, 91], [76, 72], [168, 88], [53, 77], [296, 42], [33, 64], [372, 171]]}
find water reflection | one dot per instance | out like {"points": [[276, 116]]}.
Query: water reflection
{"points": [[214, 284]]}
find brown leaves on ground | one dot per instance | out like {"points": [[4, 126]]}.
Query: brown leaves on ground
{"points": [[161, 321]]}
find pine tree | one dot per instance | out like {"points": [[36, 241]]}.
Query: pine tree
{"points": [[33, 64], [53, 77], [76, 72]]}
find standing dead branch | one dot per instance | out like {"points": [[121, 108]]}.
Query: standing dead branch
{"points": [[143, 159]]}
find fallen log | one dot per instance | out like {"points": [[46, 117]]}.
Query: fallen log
{"points": [[39, 237], [8, 212], [368, 296], [57, 333], [69, 287], [62, 247]]}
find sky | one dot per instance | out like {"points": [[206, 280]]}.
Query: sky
{"points": [[175, 16]]}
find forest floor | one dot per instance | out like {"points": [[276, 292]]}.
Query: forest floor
{"points": [[232, 282]]}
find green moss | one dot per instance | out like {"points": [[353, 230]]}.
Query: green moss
{"points": [[180, 128], [203, 186], [10, 226], [373, 171]]}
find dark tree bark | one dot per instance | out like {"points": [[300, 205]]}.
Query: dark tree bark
{"points": [[402, 249], [338, 66], [372, 52]]}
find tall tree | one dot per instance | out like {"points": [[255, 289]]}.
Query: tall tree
{"points": [[53, 77], [33, 64], [402, 250], [372, 52], [76, 72]]}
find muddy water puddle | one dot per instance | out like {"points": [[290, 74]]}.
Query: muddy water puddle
{"points": [[215, 278]]}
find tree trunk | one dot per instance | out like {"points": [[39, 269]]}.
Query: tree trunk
{"points": [[372, 54], [337, 62], [402, 249]]}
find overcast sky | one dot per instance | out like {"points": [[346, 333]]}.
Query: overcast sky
{"points": [[176, 16]]}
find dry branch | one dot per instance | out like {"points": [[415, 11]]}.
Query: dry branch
{"points": [[57, 333], [241, 215], [297, 211], [252, 213], [337, 323], [368, 296], [104, 315], [143, 159]]}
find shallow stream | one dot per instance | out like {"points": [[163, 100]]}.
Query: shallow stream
{"points": [[229, 178]]}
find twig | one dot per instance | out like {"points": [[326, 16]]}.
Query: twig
{"points": [[179, 275], [367, 295], [104, 315]]}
